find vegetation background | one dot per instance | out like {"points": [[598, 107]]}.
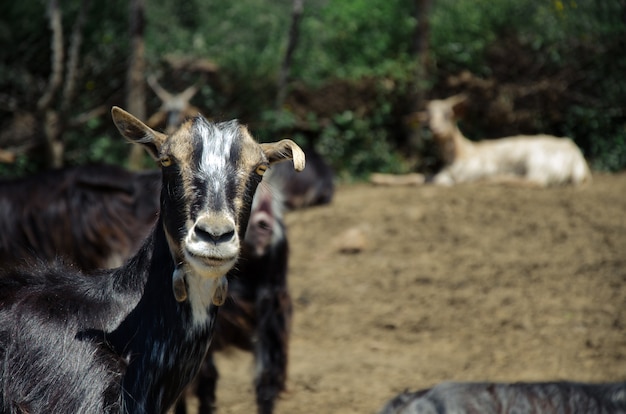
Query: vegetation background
{"points": [[358, 70]]}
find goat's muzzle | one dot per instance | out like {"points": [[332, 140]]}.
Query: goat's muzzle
{"points": [[212, 245]]}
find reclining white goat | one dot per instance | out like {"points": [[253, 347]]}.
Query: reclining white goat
{"points": [[541, 160]]}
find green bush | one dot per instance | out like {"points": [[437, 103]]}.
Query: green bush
{"points": [[581, 41]]}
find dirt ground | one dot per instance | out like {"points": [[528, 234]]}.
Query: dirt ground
{"points": [[474, 282]]}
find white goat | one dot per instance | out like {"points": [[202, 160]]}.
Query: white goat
{"points": [[542, 160]]}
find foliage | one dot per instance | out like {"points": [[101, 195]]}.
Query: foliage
{"points": [[578, 42], [362, 38], [352, 39], [581, 41], [244, 37], [354, 145]]}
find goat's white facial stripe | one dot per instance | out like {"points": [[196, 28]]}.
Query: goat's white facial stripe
{"points": [[211, 243], [216, 146]]}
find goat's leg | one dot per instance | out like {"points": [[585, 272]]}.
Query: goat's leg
{"points": [[206, 382], [275, 307]]}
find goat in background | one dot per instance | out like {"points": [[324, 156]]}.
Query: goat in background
{"points": [[93, 216], [312, 187], [536, 160], [541, 160], [503, 398]]}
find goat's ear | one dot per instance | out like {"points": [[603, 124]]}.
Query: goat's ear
{"points": [[458, 103], [137, 132], [283, 150]]}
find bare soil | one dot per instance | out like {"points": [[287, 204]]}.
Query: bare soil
{"points": [[404, 287]]}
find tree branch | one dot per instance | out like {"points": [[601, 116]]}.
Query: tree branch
{"points": [[56, 76], [73, 55], [294, 32]]}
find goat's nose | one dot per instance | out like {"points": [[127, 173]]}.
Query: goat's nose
{"points": [[214, 230], [214, 235]]}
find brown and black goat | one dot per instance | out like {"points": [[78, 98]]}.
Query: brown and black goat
{"points": [[257, 313], [509, 398], [96, 215], [128, 340], [256, 316]]}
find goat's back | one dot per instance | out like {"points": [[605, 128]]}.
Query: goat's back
{"points": [[94, 216], [311, 187], [543, 160], [47, 315], [502, 398]]}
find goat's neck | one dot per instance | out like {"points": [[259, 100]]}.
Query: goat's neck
{"points": [[162, 340], [456, 146]]}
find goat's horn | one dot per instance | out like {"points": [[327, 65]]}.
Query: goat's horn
{"points": [[188, 93], [163, 95], [284, 150]]}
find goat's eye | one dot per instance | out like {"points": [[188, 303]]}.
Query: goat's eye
{"points": [[166, 161], [261, 169]]}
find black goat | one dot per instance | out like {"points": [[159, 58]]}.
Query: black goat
{"points": [[256, 316], [69, 208], [130, 339], [503, 398], [94, 216], [314, 186]]}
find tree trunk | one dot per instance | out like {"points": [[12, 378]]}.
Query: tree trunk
{"points": [[55, 113], [51, 121], [294, 32], [56, 76], [73, 58], [420, 47], [135, 82]]}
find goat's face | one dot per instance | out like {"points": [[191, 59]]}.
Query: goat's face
{"points": [[263, 228], [442, 114], [210, 174]]}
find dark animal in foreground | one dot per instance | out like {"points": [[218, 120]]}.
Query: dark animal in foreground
{"points": [[93, 216], [515, 398], [129, 340], [256, 316], [96, 216]]}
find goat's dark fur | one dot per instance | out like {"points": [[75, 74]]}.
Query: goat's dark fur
{"points": [[314, 186], [93, 216], [257, 314], [119, 341], [503, 398], [45, 309]]}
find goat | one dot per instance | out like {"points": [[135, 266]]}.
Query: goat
{"points": [[129, 340], [503, 398], [94, 216], [314, 186], [541, 160], [256, 316], [64, 211], [175, 107]]}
